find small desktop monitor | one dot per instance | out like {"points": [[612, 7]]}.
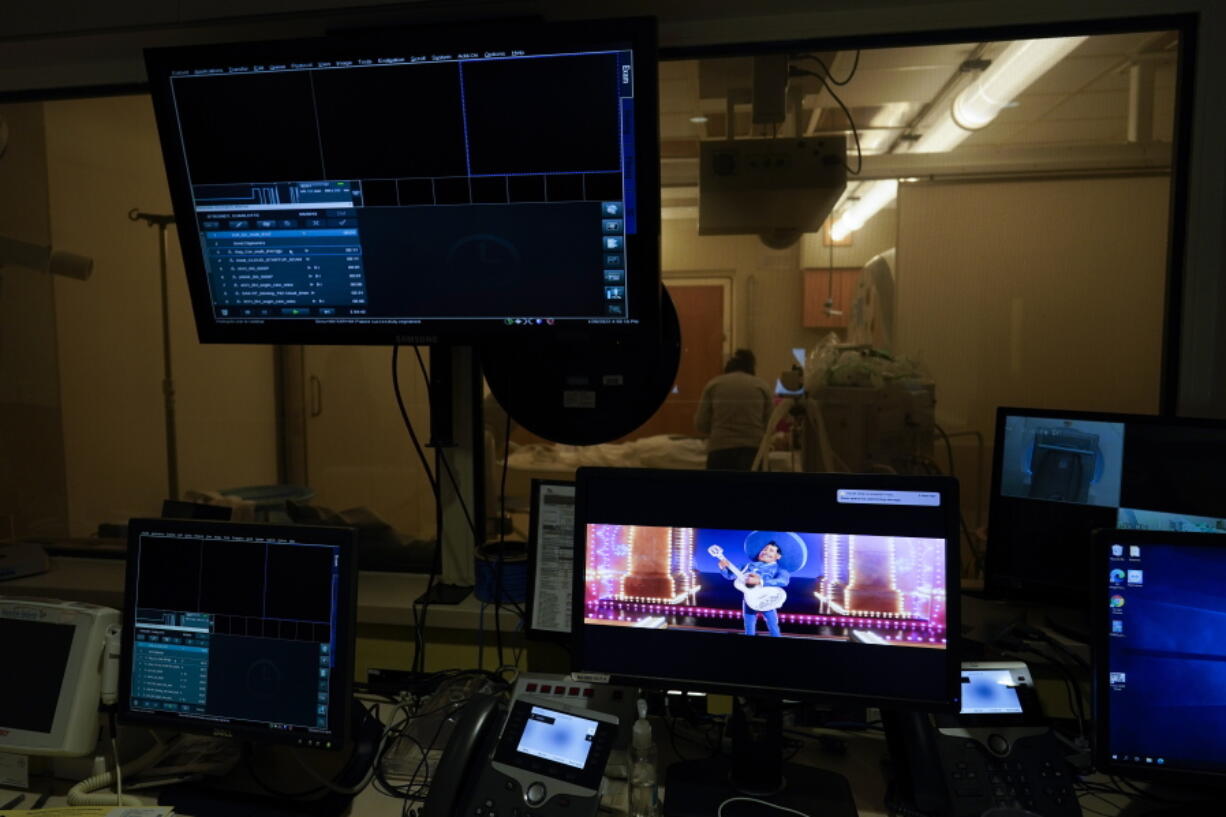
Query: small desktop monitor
{"points": [[1160, 685], [239, 630], [53, 678], [418, 184], [789, 584], [1059, 475]]}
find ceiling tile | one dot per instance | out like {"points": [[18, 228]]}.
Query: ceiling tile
{"points": [[1078, 131], [1073, 74], [1121, 45], [1102, 105], [1084, 98]]}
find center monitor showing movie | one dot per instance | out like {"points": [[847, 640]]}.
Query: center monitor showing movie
{"points": [[828, 584], [416, 184]]}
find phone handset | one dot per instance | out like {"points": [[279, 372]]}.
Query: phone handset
{"points": [[462, 759]]}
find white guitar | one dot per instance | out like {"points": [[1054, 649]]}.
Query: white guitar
{"points": [[758, 597]]}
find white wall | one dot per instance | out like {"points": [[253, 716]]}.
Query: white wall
{"points": [[1038, 293], [1034, 293], [32, 492], [103, 160]]}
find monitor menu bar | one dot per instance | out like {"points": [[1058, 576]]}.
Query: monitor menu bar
{"points": [[386, 60]]}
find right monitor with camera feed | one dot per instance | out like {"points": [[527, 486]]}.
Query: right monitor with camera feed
{"points": [[1058, 475]]}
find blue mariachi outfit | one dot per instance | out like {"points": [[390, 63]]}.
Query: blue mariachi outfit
{"points": [[772, 576]]}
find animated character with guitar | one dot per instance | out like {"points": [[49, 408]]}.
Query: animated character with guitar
{"points": [[762, 581]]}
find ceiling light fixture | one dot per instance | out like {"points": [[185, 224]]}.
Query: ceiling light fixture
{"points": [[873, 196], [698, 120], [1013, 71], [976, 105]]}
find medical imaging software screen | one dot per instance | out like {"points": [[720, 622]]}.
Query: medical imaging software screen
{"points": [[413, 186], [235, 630]]}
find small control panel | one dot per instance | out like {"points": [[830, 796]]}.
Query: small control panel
{"points": [[570, 691]]}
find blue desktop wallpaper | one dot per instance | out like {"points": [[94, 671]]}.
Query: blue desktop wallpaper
{"points": [[1170, 704]]}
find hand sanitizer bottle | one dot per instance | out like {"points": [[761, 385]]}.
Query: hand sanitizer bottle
{"points": [[644, 797]]}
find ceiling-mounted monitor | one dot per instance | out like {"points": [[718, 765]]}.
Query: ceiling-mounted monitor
{"points": [[416, 185]]}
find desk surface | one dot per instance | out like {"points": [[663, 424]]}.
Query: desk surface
{"points": [[859, 766], [383, 598], [867, 792]]}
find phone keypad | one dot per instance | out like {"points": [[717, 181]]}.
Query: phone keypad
{"points": [[1027, 778]]}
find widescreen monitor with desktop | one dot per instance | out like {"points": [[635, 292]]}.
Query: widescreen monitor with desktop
{"points": [[239, 630], [1059, 475], [772, 585], [1160, 686], [416, 184]]}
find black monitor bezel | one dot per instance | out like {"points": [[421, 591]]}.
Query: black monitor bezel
{"points": [[584, 646], [998, 582], [642, 248], [339, 707], [1102, 540]]}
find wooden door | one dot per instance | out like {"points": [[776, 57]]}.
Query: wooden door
{"points": [[700, 311]]}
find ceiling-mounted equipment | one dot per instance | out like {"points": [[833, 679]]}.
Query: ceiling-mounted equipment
{"points": [[770, 89], [773, 188]]}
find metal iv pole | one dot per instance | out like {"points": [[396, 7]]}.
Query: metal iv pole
{"points": [[168, 381]]}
